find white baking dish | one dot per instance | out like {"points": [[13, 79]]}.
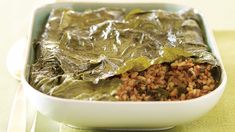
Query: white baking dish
{"points": [[118, 115]]}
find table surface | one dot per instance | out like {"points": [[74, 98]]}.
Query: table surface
{"points": [[221, 118]]}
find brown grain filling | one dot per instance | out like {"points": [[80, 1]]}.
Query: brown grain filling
{"points": [[180, 80]]}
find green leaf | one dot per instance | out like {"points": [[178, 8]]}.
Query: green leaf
{"points": [[80, 53]]}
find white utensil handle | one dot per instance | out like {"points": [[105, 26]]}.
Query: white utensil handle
{"points": [[17, 120]]}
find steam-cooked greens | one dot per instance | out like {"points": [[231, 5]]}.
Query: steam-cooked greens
{"points": [[79, 54]]}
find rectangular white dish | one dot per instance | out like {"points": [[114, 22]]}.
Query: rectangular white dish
{"points": [[118, 115]]}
